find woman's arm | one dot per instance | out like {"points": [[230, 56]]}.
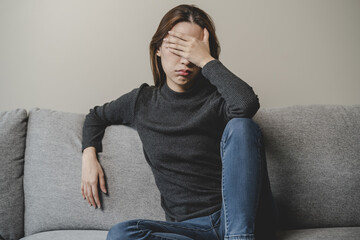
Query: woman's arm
{"points": [[240, 99], [119, 111]]}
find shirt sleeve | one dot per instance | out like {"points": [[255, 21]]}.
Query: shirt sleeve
{"points": [[119, 111], [240, 99]]}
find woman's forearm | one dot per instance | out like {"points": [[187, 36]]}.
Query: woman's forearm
{"points": [[241, 101]]}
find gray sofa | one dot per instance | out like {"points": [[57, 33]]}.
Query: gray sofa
{"points": [[313, 155]]}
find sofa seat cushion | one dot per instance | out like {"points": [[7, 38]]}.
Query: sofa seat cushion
{"points": [[320, 234], [68, 235], [302, 234]]}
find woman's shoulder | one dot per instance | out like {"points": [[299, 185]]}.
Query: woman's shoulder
{"points": [[145, 88], [145, 92]]}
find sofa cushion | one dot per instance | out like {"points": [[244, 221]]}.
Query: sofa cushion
{"points": [[303, 234], [337, 233], [12, 146], [313, 156], [52, 178], [69, 235]]}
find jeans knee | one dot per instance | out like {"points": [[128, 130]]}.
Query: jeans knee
{"points": [[122, 230], [241, 126]]}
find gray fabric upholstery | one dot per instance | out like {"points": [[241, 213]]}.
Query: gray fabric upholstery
{"points": [[313, 155], [69, 235], [12, 146], [337, 233], [52, 180]]}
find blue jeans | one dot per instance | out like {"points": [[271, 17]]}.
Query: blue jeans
{"points": [[248, 208]]}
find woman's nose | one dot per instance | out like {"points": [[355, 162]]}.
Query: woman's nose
{"points": [[184, 61]]}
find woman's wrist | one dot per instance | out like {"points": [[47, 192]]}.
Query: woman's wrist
{"points": [[89, 151], [206, 61]]}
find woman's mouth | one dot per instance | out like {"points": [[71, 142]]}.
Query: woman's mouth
{"points": [[183, 72]]}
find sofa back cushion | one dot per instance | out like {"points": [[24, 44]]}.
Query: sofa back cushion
{"points": [[12, 146], [313, 156], [52, 178]]}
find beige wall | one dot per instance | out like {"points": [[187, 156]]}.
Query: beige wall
{"points": [[71, 55]]}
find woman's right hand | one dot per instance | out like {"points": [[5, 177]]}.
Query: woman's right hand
{"points": [[92, 172]]}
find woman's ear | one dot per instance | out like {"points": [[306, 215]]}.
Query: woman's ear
{"points": [[158, 52]]}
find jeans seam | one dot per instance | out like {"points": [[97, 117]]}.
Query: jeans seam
{"points": [[222, 187], [161, 237], [261, 167], [173, 225], [213, 227], [240, 237]]}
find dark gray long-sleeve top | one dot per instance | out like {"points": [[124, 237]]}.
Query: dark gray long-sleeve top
{"points": [[181, 134]]}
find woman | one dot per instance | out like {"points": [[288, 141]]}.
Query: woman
{"points": [[195, 124]]}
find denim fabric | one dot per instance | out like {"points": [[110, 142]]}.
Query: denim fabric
{"points": [[248, 208]]}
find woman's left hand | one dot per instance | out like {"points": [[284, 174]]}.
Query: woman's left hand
{"points": [[194, 50]]}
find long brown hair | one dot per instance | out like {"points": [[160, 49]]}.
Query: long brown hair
{"points": [[181, 13]]}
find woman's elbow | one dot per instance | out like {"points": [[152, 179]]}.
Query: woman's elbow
{"points": [[245, 110], [253, 107]]}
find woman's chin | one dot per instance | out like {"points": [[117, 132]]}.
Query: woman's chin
{"points": [[181, 81]]}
